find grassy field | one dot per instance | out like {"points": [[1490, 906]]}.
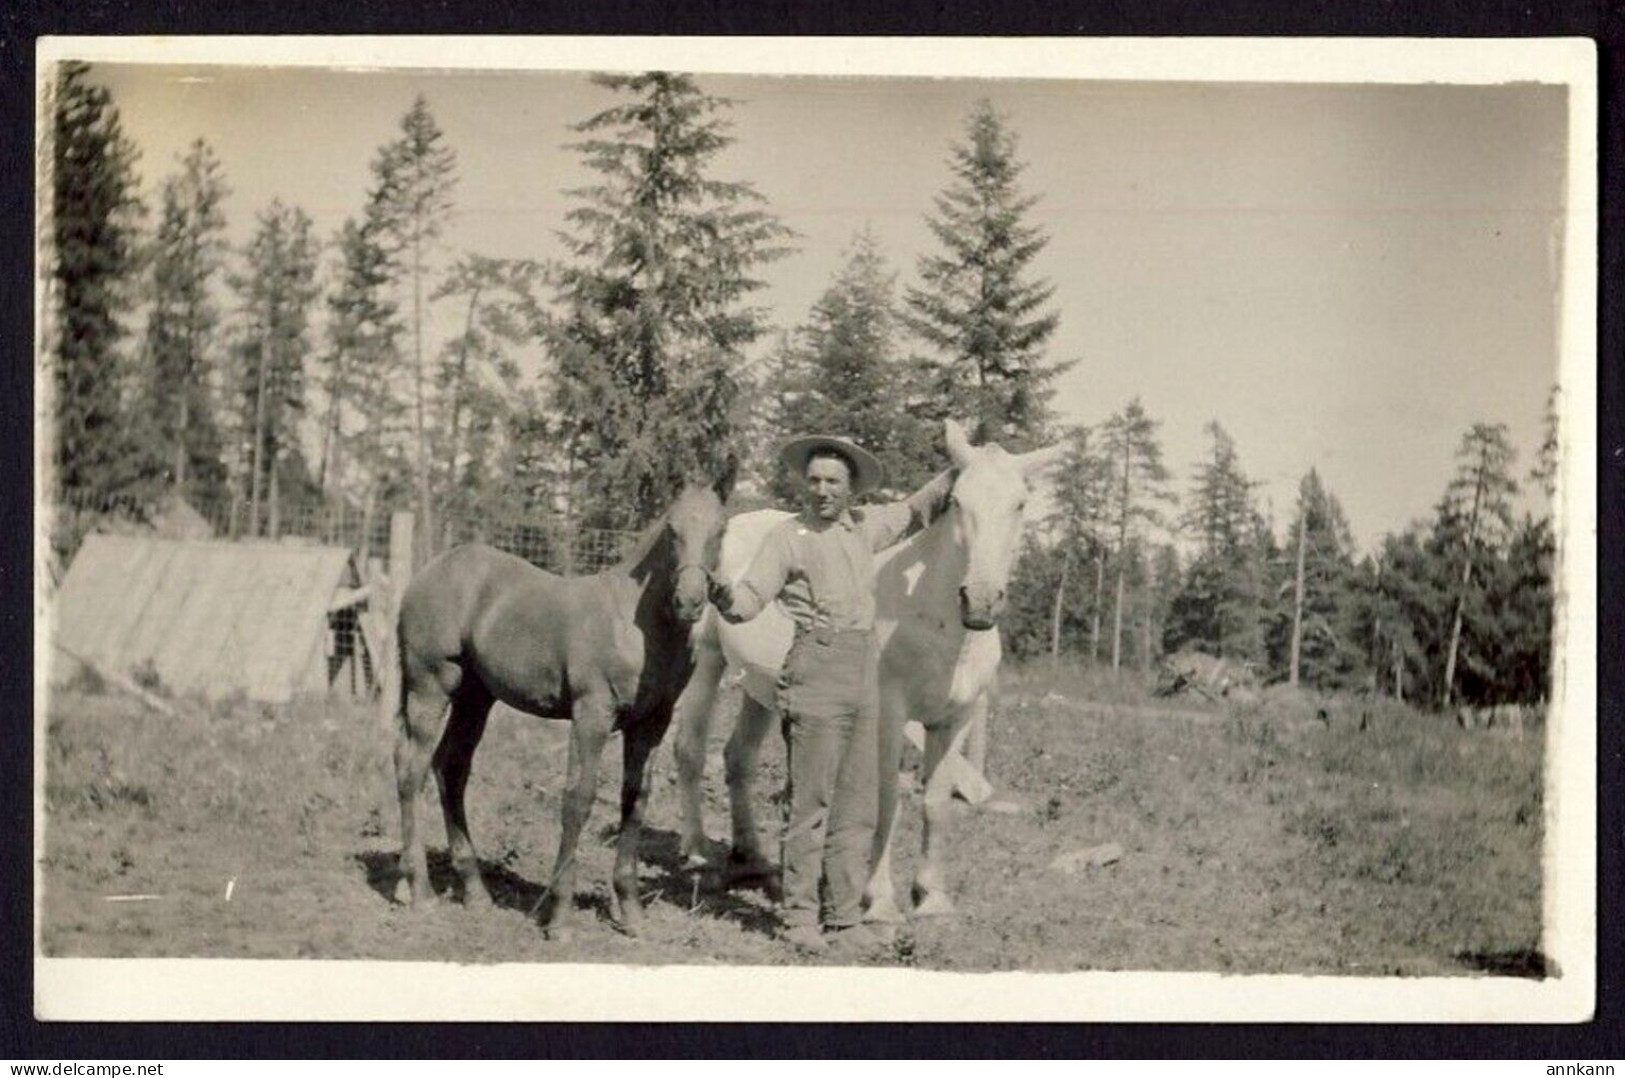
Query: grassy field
{"points": [[1255, 839]]}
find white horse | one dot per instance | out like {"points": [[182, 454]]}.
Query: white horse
{"points": [[938, 599]]}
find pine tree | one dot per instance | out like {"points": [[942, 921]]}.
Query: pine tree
{"points": [[1319, 630], [477, 376], [275, 294], [366, 432], [1544, 471], [984, 320], [649, 338], [840, 372], [415, 176], [95, 214], [188, 251], [1477, 507], [1079, 527], [1220, 605], [1139, 486]]}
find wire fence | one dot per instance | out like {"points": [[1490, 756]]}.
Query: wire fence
{"points": [[356, 635], [548, 543]]}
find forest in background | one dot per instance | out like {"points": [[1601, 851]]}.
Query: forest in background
{"points": [[294, 370]]}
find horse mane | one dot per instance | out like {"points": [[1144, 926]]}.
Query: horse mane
{"points": [[644, 546]]}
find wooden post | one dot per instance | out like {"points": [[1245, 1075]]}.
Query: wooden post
{"points": [[402, 526]]}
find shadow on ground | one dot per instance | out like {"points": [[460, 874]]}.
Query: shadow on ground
{"points": [[706, 890]]}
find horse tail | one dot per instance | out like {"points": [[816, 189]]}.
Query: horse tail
{"points": [[390, 700]]}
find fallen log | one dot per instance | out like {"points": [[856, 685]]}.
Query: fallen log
{"points": [[119, 681]]}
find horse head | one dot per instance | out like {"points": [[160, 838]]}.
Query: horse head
{"points": [[986, 512], [696, 522]]}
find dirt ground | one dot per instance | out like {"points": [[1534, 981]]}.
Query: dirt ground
{"points": [[1377, 840]]}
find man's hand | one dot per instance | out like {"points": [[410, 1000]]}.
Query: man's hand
{"points": [[722, 596]]}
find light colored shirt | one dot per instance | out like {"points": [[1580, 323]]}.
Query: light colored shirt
{"points": [[823, 572]]}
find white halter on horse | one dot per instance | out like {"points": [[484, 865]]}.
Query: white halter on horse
{"points": [[938, 599]]}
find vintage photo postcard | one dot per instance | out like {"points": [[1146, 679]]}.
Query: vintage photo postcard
{"points": [[850, 529]]}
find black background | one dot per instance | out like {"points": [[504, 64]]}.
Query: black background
{"points": [[21, 1038]]}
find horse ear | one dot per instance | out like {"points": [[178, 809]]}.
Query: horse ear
{"points": [[1041, 459], [724, 484], [958, 445]]}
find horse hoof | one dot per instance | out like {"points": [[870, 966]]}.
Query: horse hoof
{"points": [[477, 898], [935, 904], [558, 933], [884, 912]]}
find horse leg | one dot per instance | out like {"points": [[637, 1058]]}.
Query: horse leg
{"points": [[881, 899], [931, 877], [693, 715], [588, 733], [745, 860], [469, 710], [421, 721], [638, 745]]}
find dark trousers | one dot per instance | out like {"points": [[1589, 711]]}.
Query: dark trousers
{"points": [[829, 705]]}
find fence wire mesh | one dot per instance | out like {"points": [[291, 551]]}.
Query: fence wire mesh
{"points": [[355, 644]]}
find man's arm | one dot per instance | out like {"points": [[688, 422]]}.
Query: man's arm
{"points": [[884, 525], [761, 583]]}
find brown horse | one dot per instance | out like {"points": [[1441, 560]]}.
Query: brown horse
{"points": [[609, 651]]}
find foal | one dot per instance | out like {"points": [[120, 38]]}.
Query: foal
{"points": [[608, 651]]}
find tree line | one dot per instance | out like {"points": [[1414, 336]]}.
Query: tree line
{"points": [[297, 368]]}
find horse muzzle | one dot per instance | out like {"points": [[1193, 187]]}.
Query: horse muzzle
{"points": [[980, 607], [691, 594]]}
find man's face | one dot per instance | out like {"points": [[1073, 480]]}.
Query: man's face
{"points": [[829, 487]]}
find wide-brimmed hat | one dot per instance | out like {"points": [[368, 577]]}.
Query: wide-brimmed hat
{"points": [[868, 473]]}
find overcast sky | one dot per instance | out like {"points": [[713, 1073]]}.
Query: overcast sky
{"points": [[1345, 277]]}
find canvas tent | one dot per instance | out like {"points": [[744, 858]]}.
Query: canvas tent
{"points": [[214, 618]]}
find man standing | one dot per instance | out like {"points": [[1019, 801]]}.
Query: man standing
{"points": [[820, 565]]}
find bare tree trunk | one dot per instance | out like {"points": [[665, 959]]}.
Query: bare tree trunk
{"points": [[331, 429], [276, 499], [1055, 611], [180, 442], [365, 545], [452, 447], [259, 440], [427, 529], [1100, 592], [1122, 561], [1145, 621], [1297, 599], [1117, 621], [1461, 593]]}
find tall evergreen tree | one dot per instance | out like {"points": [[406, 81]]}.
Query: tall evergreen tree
{"points": [[1220, 605], [477, 377], [415, 176], [840, 372], [95, 214], [1477, 507], [275, 294], [365, 405], [976, 308], [1317, 630], [1079, 526], [1139, 489], [187, 253], [1544, 471], [653, 323]]}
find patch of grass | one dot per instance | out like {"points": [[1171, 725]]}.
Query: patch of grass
{"points": [[1256, 838]]}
